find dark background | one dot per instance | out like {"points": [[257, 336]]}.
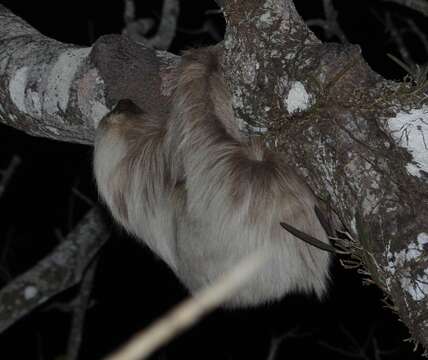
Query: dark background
{"points": [[132, 287]]}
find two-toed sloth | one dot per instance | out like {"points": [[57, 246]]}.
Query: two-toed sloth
{"points": [[202, 196]]}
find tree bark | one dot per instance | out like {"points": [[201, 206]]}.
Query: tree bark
{"points": [[59, 271], [62, 91], [359, 140]]}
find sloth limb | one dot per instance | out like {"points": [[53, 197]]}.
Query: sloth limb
{"points": [[202, 197]]}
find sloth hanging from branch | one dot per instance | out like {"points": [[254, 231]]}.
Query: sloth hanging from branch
{"points": [[202, 195]]}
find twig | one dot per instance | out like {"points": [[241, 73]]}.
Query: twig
{"points": [[76, 193], [356, 350], [5, 275], [129, 12], [397, 37], [79, 312], [421, 6], [58, 271], [340, 351], [414, 28], [83, 197], [277, 341], [330, 24], [208, 27], [191, 310], [7, 173], [39, 342], [136, 29]]}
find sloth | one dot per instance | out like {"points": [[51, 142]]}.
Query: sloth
{"points": [[201, 195]]}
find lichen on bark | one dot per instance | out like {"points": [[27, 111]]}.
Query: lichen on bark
{"points": [[345, 137]]}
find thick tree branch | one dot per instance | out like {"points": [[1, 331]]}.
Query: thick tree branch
{"points": [[60, 270], [61, 91], [359, 140]]}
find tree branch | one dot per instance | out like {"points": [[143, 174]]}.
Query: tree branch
{"points": [[220, 3], [62, 91], [330, 24], [81, 304], [421, 6], [191, 310], [137, 29], [397, 38], [358, 139], [7, 173], [60, 270]]}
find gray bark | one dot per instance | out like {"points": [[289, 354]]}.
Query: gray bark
{"points": [[62, 91], [58, 271], [358, 139]]}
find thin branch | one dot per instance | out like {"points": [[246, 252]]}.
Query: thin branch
{"points": [[167, 27], [136, 29], [60, 270], [79, 312], [415, 29], [6, 174], [129, 12], [83, 197], [330, 24], [191, 310], [397, 37], [220, 3], [421, 6], [5, 275], [276, 342], [208, 27], [366, 351]]}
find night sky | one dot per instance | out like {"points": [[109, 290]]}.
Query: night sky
{"points": [[132, 287]]}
